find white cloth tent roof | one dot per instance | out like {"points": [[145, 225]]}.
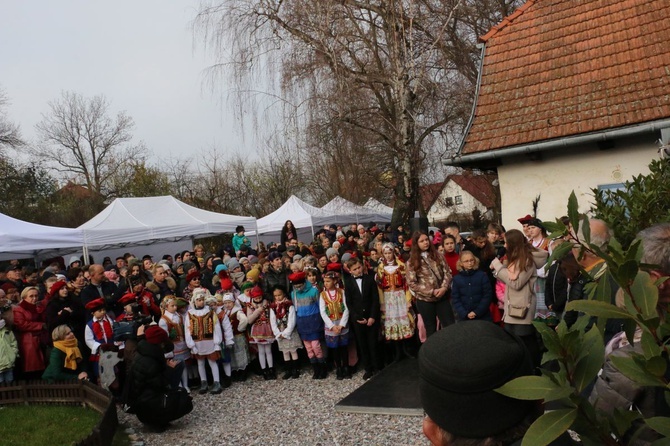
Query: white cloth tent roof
{"points": [[20, 239], [362, 214], [307, 218], [378, 206], [301, 214], [141, 221]]}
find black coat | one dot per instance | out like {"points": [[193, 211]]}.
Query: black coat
{"points": [[272, 278], [76, 319], [365, 304], [109, 293], [556, 288]]}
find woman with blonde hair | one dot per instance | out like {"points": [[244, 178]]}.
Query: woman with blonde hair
{"points": [[66, 361]]}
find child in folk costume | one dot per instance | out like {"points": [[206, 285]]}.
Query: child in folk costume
{"points": [[394, 300], [240, 352], [98, 334], [203, 335], [216, 303], [172, 322], [305, 297], [245, 294], [335, 315], [260, 333], [282, 320]]}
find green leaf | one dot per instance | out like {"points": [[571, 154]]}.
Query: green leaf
{"points": [[657, 366], [558, 253], [629, 327], [634, 251], [627, 272], [649, 345], [598, 308], [660, 425], [645, 295], [592, 361], [534, 388], [549, 427], [549, 336], [573, 211], [586, 229], [623, 419], [632, 370], [603, 291]]}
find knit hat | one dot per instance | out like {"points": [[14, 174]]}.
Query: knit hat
{"points": [[232, 264], [228, 297], [256, 292], [7, 286], [220, 268], [460, 367], [331, 252], [226, 284], [246, 285], [155, 335], [73, 259], [297, 257], [253, 274], [176, 267], [192, 276], [181, 302], [188, 265], [337, 267], [253, 259], [297, 277], [199, 293], [346, 256], [274, 255]]}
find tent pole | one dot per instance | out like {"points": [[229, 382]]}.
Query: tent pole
{"points": [[85, 251], [258, 239]]}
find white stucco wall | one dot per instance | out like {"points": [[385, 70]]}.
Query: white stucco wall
{"points": [[439, 211], [560, 172]]}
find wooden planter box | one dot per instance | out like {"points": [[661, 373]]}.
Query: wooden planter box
{"points": [[74, 393]]}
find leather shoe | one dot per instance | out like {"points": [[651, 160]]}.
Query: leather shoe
{"points": [[367, 375]]}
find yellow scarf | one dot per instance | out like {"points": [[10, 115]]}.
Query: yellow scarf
{"points": [[72, 353]]}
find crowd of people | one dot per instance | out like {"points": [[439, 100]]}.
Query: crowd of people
{"points": [[355, 298]]}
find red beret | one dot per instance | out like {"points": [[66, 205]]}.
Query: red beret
{"points": [[128, 298], [155, 335], [193, 275], [297, 277], [55, 288], [226, 284], [95, 304], [256, 292], [337, 267], [8, 286]]}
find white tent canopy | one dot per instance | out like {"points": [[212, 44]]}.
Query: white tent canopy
{"points": [[143, 221], [362, 214], [378, 206], [20, 239]]}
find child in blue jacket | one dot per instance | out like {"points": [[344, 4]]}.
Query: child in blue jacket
{"points": [[471, 290]]}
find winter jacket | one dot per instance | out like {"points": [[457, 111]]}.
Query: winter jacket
{"points": [[162, 289], [429, 276], [519, 292], [239, 240], [614, 390], [9, 349], [56, 370], [30, 330], [76, 319], [272, 278], [471, 291]]}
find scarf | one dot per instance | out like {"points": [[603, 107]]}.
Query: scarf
{"points": [[71, 350]]}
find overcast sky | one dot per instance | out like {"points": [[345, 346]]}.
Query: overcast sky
{"points": [[140, 55]]}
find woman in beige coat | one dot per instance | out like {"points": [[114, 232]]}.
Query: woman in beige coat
{"points": [[519, 274]]}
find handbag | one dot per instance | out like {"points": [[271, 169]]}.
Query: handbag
{"points": [[517, 311]]}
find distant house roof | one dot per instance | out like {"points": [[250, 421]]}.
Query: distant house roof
{"points": [[429, 193], [479, 186], [77, 191], [558, 68]]}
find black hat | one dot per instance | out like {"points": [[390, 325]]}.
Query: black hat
{"points": [[535, 222], [12, 268], [460, 367]]}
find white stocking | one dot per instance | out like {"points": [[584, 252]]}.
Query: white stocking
{"points": [[226, 368], [215, 370], [201, 370], [268, 354]]}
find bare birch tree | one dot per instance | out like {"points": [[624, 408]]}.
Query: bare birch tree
{"points": [[401, 71], [10, 135], [78, 137]]}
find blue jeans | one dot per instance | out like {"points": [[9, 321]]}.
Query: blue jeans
{"points": [[6, 376]]}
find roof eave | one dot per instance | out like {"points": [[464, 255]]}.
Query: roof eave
{"points": [[541, 146]]}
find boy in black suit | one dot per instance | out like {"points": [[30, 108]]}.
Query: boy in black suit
{"points": [[362, 296]]}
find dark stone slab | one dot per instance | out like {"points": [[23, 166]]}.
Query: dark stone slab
{"points": [[393, 391]]}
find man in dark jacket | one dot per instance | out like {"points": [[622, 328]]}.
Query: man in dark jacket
{"points": [[362, 296], [99, 287], [153, 395], [276, 275]]}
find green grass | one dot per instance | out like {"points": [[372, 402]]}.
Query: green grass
{"points": [[45, 425]]}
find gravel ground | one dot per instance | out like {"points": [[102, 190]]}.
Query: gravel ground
{"points": [[291, 412]]}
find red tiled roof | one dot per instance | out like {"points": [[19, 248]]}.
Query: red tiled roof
{"points": [[557, 68], [428, 193], [479, 186]]}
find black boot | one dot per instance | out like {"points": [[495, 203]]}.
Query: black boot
{"points": [[296, 369], [316, 369], [324, 371], [266, 374], [242, 375], [226, 381], [339, 374], [289, 370], [273, 373]]}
